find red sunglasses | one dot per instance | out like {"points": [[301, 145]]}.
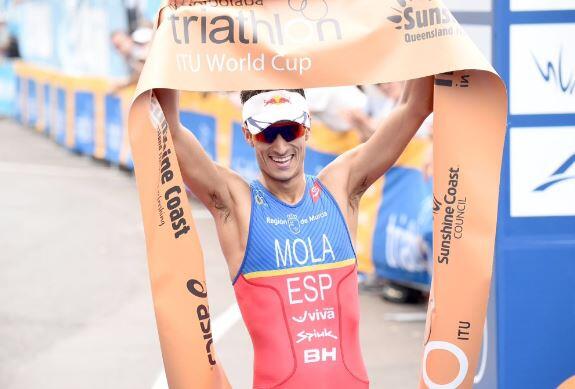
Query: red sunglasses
{"points": [[288, 131]]}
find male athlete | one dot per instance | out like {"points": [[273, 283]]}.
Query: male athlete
{"points": [[288, 237]]}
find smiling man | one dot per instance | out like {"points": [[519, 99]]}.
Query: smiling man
{"points": [[288, 237]]}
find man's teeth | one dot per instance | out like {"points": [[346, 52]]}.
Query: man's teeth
{"points": [[282, 159]]}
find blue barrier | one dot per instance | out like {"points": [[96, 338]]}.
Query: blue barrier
{"points": [[536, 315], [204, 129], [531, 316], [129, 164], [18, 104], [47, 108], [61, 117], [114, 126], [316, 160], [7, 89], [32, 104], [84, 122], [243, 158], [402, 251]]}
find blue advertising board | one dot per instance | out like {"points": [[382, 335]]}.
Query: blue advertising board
{"points": [[32, 104], [75, 35], [7, 88], [531, 317], [204, 129], [19, 102], [47, 108], [316, 160], [128, 163], [114, 124], [61, 122], [402, 251], [84, 122], [151, 8], [243, 158]]}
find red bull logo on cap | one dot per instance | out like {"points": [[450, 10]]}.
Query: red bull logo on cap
{"points": [[276, 100]]}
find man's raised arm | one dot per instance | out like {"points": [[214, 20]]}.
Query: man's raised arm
{"points": [[363, 165], [207, 180]]}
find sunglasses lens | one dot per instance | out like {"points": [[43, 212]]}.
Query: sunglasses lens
{"points": [[293, 132], [288, 131], [266, 136]]}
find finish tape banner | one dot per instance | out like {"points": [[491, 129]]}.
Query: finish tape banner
{"points": [[223, 45]]}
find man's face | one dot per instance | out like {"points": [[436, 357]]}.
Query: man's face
{"points": [[280, 160]]}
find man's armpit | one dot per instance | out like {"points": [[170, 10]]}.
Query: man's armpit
{"points": [[356, 193], [221, 209]]}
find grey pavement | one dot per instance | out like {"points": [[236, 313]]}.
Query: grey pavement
{"points": [[75, 303]]}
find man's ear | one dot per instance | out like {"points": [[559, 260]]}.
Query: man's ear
{"points": [[307, 133], [248, 136]]}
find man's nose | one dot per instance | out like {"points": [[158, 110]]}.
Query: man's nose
{"points": [[279, 145]]}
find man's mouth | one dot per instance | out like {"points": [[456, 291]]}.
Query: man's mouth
{"points": [[283, 161]]}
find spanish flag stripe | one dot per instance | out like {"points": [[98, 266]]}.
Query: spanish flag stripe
{"points": [[295, 270]]}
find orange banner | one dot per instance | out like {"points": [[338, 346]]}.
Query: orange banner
{"points": [[265, 44]]}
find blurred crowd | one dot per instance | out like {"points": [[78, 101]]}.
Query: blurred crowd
{"points": [[133, 44], [130, 41], [8, 29]]}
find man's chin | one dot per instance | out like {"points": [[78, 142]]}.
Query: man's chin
{"points": [[282, 175]]}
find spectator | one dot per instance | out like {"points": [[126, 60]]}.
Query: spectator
{"points": [[382, 98], [9, 16], [134, 50], [338, 107], [141, 13], [133, 11]]}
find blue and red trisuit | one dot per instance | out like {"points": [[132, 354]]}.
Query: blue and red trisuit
{"points": [[298, 293]]}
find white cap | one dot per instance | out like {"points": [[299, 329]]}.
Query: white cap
{"points": [[265, 109], [142, 35]]}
